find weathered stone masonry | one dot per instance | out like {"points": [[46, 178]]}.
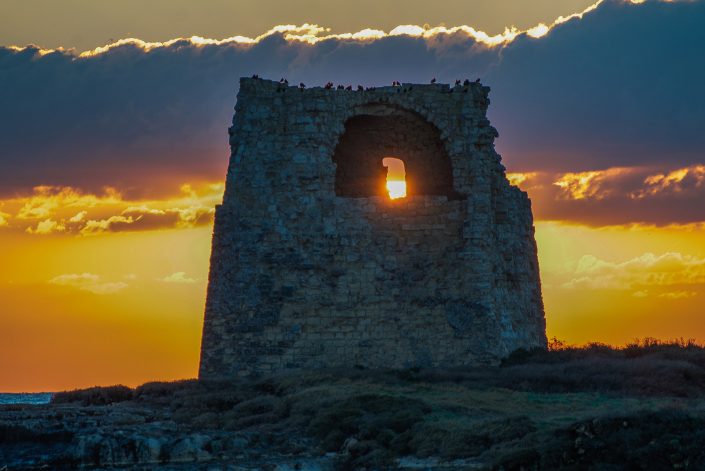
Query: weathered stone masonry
{"points": [[314, 266]]}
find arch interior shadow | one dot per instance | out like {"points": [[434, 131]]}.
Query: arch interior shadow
{"points": [[402, 134]]}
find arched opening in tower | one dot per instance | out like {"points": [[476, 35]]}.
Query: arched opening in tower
{"points": [[384, 131], [396, 177]]}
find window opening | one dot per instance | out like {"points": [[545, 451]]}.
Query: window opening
{"points": [[392, 133], [396, 177]]}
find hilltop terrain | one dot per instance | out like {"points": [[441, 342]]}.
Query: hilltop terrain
{"points": [[595, 407]]}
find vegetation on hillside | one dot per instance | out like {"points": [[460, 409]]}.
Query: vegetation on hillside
{"points": [[561, 407]]}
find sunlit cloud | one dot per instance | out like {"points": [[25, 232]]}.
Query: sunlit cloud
{"points": [[46, 227], [313, 33], [178, 277], [538, 31], [75, 279], [588, 185], [674, 181], [37, 50], [45, 199], [618, 195], [143, 209], [56, 207], [517, 179], [88, 282], [193, 215], [78, 217], [93, 226], [647, 270]]}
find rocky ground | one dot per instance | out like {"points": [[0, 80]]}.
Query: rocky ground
{"points": [[642, 407]]}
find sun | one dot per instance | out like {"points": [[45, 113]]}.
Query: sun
{"points": [[396, 177], [396, 189]]}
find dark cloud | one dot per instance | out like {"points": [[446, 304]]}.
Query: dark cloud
{"points": [[621, 87], [129, 117]]}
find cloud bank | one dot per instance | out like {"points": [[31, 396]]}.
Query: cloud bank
{"points": [[67, 210], [616, 88], [618, 195]]}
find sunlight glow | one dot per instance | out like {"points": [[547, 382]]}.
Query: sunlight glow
{"points": [[538, 31], [396, 177], [396, 189]]}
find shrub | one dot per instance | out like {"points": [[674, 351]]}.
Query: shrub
{"points": [[379, 422], [97, 396], [19, 434], [461, 439], [648, 367]]}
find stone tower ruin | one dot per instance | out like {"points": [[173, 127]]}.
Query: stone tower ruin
{"points": [[314, 266]]}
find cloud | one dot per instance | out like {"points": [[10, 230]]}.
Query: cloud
{"points": [[46, 227], [148, 218], [674, 182], [88, 282], [678, 294], [517, 178], [113, 223], [46, 199], [78, 217], [72, 279], [4, 219], [613, 89], [588, 185], [313, 34], [616, 87], [648, 270], [634, 182], [191, 206], [178, 277], [619, 195]]}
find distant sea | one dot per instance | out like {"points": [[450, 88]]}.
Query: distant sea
{"points": [[24, 398]]}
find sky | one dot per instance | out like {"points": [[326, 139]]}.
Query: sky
{"points": [[114, 148]]}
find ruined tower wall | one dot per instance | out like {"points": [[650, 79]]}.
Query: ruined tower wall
{"points": [[313, 266]]}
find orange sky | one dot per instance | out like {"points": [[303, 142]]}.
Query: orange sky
{"points": [[122, 302]]}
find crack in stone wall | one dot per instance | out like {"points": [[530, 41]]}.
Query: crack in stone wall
{"points": [[313, 266]]}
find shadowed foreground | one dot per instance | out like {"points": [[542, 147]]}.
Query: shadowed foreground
{"points": [[588, 408]]}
